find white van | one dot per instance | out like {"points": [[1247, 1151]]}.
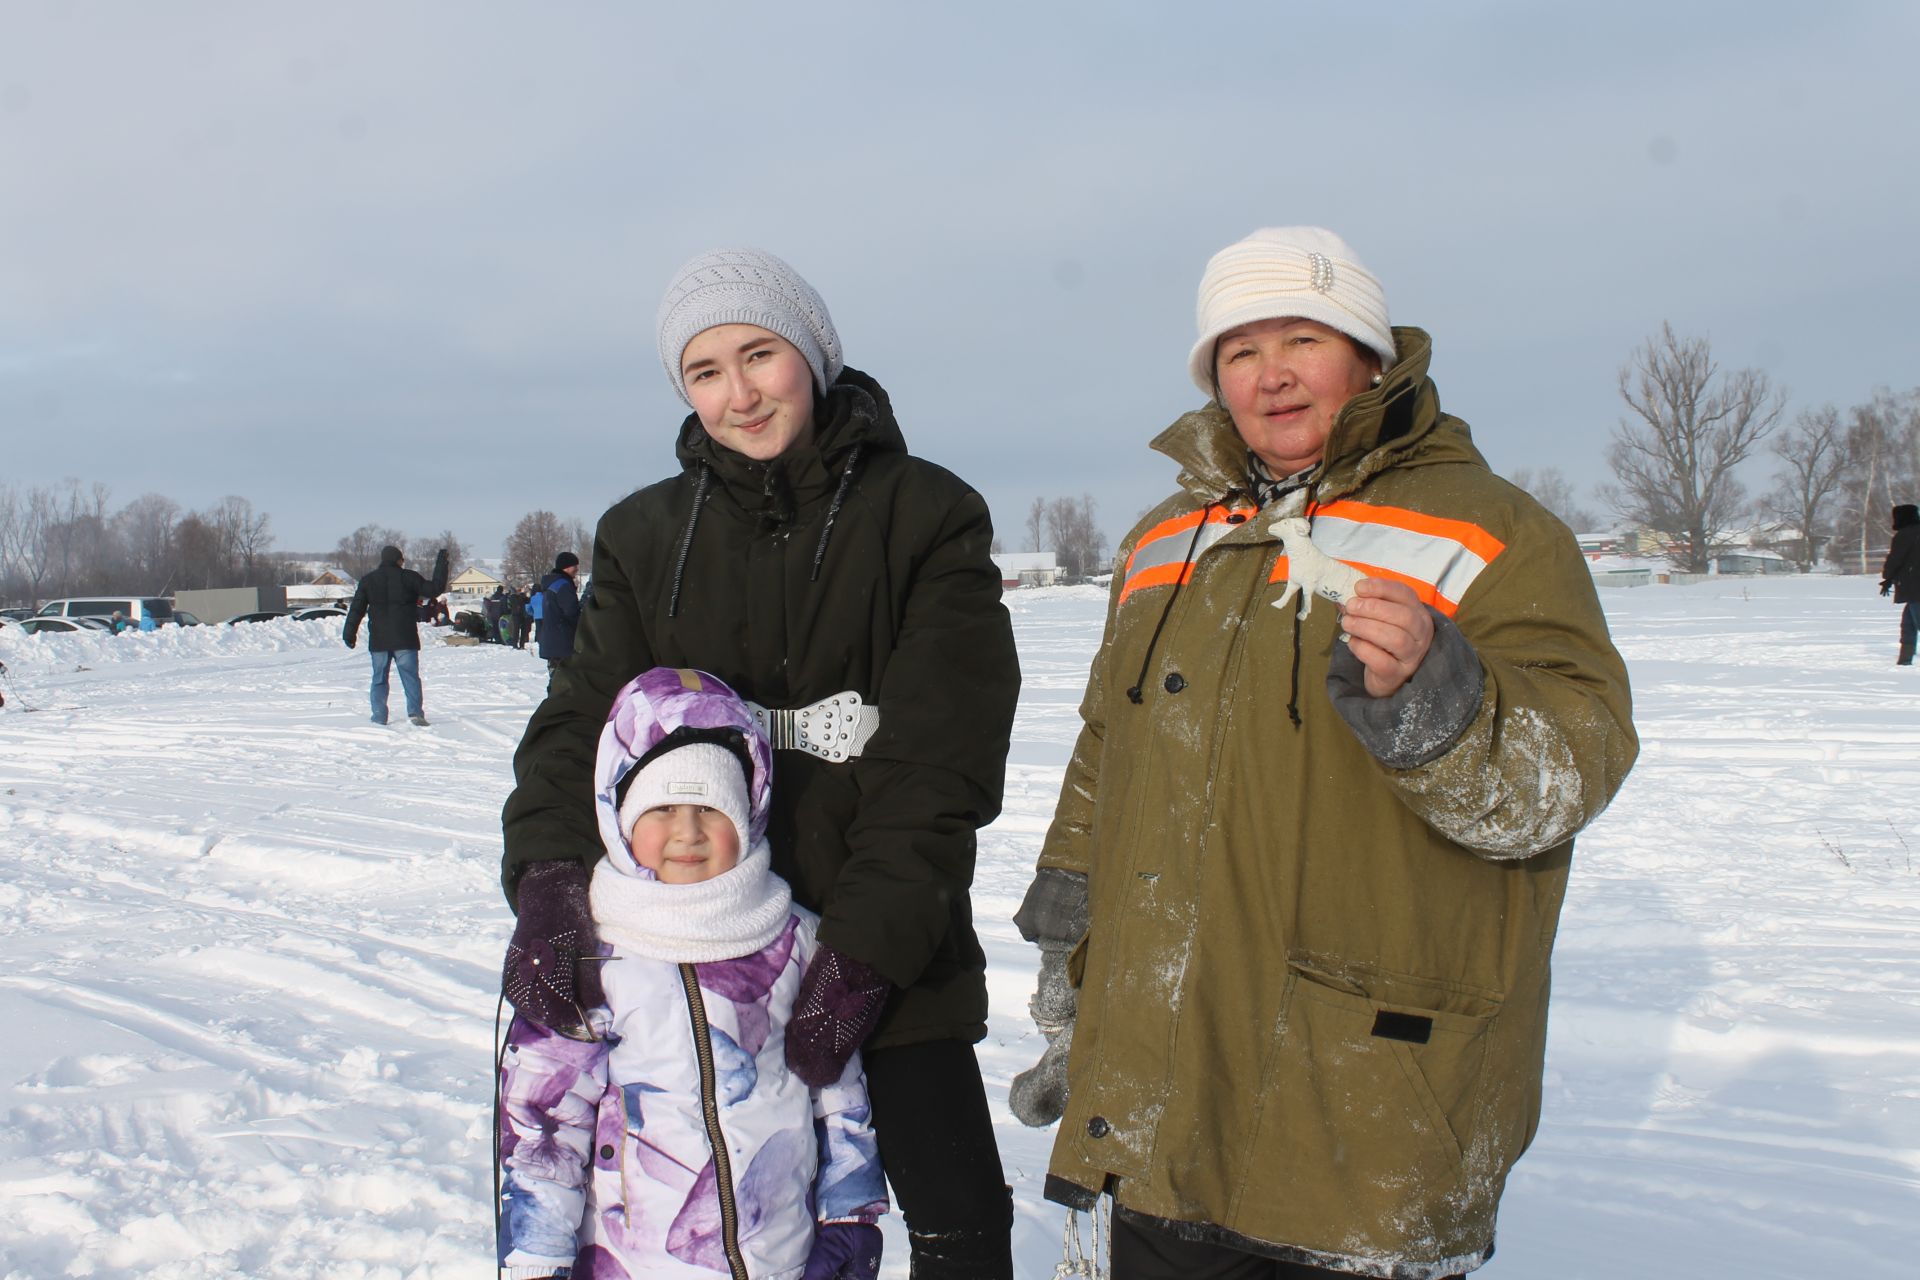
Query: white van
{"points": [[143, 613]]}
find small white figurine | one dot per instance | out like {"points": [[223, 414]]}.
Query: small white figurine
{"points": [[1310, 571]]}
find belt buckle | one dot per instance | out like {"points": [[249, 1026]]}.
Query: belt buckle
{"points": [[826, 729]]}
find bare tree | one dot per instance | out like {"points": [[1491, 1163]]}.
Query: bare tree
{"points": [[1037, 526], [1877, 472], [9, 531], [1675, 465], [1554, 491], [77, 537], [33, 541], [457, 561], [359, 552], [144, 528], [1814, 450], [1076, 536], [534, 542], [245, 535], [201, 560]]}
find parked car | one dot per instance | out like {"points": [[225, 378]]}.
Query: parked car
{"points": [[142, 612], [54, 626], [265, 616], [184, 618], [14, 615], [318, 611]]}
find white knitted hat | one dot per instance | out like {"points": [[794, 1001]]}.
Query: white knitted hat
{"points": [[1289, 273], [703, 773], [746, 286]]}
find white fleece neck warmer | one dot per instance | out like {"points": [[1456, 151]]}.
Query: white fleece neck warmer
{"points": [[734, 914]]}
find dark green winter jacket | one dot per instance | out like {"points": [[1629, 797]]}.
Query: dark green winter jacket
{"points": [[846, 564]]}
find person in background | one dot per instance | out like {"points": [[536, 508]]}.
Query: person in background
{"points": [[1355, 698], [1900, 576], [847, 588], [389, 599], [559, 608], [517, 614], [495, 608], [677, 1141]]}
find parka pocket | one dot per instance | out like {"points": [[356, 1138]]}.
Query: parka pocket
{"points": [[1371, 1094]]}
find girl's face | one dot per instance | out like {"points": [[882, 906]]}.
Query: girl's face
{"points": [[1284, 382], [684, 843], [752, 389]]}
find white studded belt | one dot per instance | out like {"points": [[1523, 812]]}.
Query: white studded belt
{"points": [[835, 728]]}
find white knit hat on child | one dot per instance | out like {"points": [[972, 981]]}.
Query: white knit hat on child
{"points": [[1289, 273], [732, 914], [702, 773]]}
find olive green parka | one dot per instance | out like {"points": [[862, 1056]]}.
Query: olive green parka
{"points": [[846, 563], [1313, 994]]}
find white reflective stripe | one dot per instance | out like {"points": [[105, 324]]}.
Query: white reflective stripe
{"points": [[1171, 548], [1445, 563], [835, 728]]}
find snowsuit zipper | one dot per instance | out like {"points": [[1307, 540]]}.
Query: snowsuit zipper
{"points": [[716, 1137]]}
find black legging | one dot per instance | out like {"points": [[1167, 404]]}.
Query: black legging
{"points": [[1142, 1251], [936, 1140]]}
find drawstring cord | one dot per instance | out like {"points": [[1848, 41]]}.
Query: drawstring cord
{"points": [[1293, 690], [686, 540], [1079, 1260], [499, 1087], [833, 509], [1186, 571]]}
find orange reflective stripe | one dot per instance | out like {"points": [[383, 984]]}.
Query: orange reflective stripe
{"points": [[1161, 557], [1428, 593], [1159, 575], [1470, 536], [1439, 558]]}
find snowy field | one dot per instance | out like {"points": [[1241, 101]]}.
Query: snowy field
{"points": [[249, 947]]}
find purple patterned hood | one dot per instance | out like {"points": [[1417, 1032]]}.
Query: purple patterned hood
{"points": [[648, 708]]}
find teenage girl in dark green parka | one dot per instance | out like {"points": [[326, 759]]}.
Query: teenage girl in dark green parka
{"points": [[804, 557]]}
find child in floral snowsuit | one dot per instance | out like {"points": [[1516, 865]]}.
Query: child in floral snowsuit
{"points": [[678, 1144]]}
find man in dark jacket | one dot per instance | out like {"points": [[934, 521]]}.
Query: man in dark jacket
{"points": [[389, 599], [560, 611], [1900, 575], [517, 614], [495, 607]]}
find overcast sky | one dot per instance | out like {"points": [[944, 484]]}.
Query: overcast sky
{"points": [[399, 263]]}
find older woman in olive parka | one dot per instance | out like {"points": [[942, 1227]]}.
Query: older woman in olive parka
{"points": [[1297, 903]]}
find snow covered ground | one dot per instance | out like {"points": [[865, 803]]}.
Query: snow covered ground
{"points": [[249, 945]]}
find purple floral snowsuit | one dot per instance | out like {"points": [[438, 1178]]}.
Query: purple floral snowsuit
{"points": [[680, 1145]]}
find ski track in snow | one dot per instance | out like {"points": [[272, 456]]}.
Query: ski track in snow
{"points": [[249, 948]]}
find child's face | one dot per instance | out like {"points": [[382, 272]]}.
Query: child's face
{"points": [[685, 843]]}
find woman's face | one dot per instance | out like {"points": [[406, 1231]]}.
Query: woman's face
{"points": [[752, 389], [1284, 382]]}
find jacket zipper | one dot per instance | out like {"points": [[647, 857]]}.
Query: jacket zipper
{"points": [[716, 1137]]}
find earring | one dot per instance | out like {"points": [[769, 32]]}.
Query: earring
{"points": [[1378, 378]]}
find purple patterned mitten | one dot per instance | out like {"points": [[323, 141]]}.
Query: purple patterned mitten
{"points": [[545, 977], [839, 1003], [844, 1251]]}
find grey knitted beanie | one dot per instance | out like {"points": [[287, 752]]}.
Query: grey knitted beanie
{"points": [[746, 286]]}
